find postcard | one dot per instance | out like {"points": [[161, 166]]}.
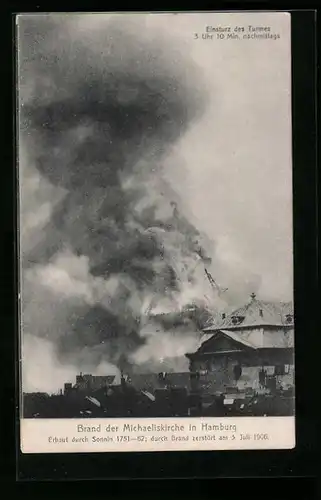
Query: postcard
{"points": [[155, 231]]}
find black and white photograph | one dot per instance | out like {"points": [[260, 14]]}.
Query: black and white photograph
{"points": [[155, 218]]}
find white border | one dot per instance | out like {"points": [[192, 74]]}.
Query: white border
{"points": [[181, 434]]}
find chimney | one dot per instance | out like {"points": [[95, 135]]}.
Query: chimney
{"points": [[253, 296]]}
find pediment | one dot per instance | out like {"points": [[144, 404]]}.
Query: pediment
{"points": [[221, 342]]}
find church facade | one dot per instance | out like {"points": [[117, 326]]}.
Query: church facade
{"points": [[253, 347]]}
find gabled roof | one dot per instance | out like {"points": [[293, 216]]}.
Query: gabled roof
{"points": [[255, 313], [211, 343], [240, 340], [248, 340], [206, 336]]}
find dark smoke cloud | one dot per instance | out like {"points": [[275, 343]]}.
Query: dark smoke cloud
{"points": [[100, 111]]}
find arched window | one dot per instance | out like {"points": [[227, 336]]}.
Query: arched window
{"points": [[236, 319], [237, 370]]}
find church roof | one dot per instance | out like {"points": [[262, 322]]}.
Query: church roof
{"points": [[248, 339], [239, 339], [255, 313]]}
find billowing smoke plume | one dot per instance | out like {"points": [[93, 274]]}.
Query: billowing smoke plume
{"points": [[99, 112]]}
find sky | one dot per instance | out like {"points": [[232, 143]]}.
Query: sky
{"points": [[238, 156], [221, 149]]}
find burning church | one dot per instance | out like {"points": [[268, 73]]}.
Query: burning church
{"points": [[116, 274], [253, 347]]}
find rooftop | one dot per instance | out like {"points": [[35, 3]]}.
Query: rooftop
{"points": [[254, 313]]}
